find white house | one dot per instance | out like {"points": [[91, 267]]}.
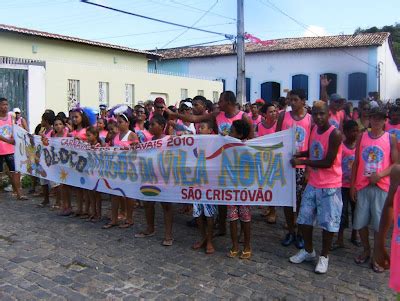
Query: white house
{"points": [[357, 64]]}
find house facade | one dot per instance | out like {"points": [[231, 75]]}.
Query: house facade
{"points": [[356, 64], [40, 70]]}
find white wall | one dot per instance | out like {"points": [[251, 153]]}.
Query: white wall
{"points": [[281, 66], [36, 95], [390, 79]]}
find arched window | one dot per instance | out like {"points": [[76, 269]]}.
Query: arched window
{"points": [[300, 81], [357, 86]]}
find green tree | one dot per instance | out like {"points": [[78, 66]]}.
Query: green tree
{"points": [[394, 31]]}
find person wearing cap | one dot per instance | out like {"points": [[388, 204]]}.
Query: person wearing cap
{"points": [[181, 127], [159, 107], [376, 152], [103, 111], [19, 120]]}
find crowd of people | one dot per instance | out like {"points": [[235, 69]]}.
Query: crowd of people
{"points": [[346, 169]]}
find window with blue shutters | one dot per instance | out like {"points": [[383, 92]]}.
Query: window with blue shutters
{"points": [[270, 91], [300, 81], [357, 86]]}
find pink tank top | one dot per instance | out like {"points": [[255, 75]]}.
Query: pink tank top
{"points": [[103, 134], [143, 135], [348, 156], [7, 132], [394, 281], [262, 130], [336, 118], [394, 129], [324, 177], [256, 121], [224, 123], [123, 141], [374, 156], [303, 130], [49, 133], [81, 134]]}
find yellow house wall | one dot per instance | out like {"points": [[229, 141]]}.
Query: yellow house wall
{"points": [[91, 65]]}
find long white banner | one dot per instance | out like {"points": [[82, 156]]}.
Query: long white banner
{"points": [[209, 169]]}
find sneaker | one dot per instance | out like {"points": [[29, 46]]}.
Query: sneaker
{"points": [[299, 242], [322, 266], [302, 255], [289, 239], [8, 188]]}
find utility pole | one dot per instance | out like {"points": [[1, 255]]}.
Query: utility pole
{"points": [[241, 76]]}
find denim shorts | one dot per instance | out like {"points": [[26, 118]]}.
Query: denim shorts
{"points": [[323, 206], [206, 209], [9, 160], [369, 205]]}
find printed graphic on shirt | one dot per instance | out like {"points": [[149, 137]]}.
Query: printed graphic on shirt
{"points": [[224, 128], [141, 136], [300, 136], [316, 151], [395, 132], [347, 163], [372, 157], [334, 123], [6, 131], [398, 227]]}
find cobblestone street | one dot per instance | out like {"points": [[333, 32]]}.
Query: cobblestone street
{"points": [[44, 256]]}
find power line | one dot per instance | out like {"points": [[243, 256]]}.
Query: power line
{"points": [[198, 44], [159, 31], [187, 29], [305, 26], [229, 36]]}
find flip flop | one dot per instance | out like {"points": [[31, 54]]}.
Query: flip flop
{"points": [[125, 225], [143, 234], [245, 255], [361, 259], [22, 198], [376, 267], [167, 242], [43, 205], [232, 253], [109, 226]]}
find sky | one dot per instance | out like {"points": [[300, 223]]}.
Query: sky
{"points": [[265, 19]]}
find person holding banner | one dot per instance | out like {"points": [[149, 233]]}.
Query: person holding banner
{"points": [[7, 148], [223, 118], [124, 138], [301, 120], [322, 198], [265, 127], [240, 129], [157, 127]]}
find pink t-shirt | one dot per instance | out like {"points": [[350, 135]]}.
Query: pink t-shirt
{"points": [[6, 131], [262, 130], [336, 119], [374, 156], [324, 177], [224, 123], [256, 121], [394, 129], [348, 156], [81, 134], [394, 280]]}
